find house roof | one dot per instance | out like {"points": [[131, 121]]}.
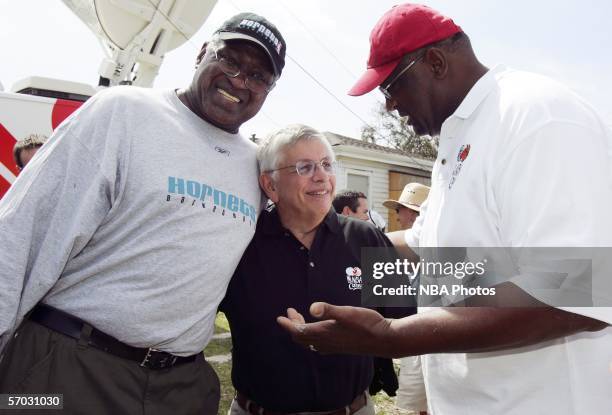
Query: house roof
{"points": [[374, 152], [337, 139]]}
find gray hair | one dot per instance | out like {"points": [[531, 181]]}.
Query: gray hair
{"points": [[272, 148]]}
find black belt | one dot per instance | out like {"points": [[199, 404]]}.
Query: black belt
{"points": [[71, 326]]}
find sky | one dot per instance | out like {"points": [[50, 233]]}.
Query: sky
{"points": [[568, 40]]}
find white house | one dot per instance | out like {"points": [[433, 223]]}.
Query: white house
{"points": [[379, 172]]}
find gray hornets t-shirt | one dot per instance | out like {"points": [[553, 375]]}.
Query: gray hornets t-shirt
{"points": [[134, 215]]}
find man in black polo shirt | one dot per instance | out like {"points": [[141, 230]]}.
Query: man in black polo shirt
{"points": [[302, 252]]}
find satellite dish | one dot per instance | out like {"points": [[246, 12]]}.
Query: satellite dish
{"points": [[140, 31], [119, 21]]}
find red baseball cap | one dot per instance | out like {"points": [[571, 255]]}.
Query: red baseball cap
{"points": [[403, 29]]}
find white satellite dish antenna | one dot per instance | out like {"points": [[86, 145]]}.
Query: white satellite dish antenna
{"points": [[136, 34]]}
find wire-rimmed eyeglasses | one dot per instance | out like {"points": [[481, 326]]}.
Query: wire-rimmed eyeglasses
{"points": [[385, 89], [253, 81], [306, 168]]}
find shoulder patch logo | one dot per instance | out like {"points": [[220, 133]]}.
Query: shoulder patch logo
{"points": [[463, 152], [353, 277], [462, 155]]}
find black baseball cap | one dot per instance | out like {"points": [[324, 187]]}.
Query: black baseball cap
{"points": [[250, 26]]}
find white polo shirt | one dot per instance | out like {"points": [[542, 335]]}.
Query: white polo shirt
{"points": [[523, 162]]}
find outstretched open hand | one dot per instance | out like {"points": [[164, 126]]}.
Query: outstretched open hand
{"points": [[342, 329]]}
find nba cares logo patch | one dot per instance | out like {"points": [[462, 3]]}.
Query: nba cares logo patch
{"points": [[353, 277], [464, 151], [462, 155]]}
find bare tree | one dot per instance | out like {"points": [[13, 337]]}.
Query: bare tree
{"points": [[393, 131]]}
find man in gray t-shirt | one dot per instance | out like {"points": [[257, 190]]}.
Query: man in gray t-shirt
{"points": [[120, 237]]}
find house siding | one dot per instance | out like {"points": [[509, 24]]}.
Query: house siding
{"points": [[378, 174]]}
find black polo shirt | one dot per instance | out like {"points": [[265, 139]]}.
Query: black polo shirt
{"points": [[277, 272]]}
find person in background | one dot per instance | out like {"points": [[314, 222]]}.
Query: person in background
{"points": [[118, 249], [355, 204], [352, 204], [408, 207], [24, 149]]}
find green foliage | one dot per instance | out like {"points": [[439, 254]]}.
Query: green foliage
{"points": [[224, 371], [218, 347], [221, 324], [222, 347], [393, 131]]}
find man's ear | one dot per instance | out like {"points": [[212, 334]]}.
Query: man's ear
{"points": [[201, 54], [437, 60], [346, 211], [267, 185]]}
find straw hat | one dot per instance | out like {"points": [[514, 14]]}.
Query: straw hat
{"points": [[412, 197]]}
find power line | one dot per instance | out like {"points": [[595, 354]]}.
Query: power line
{"points": [[413, 159], [297, 64], [321, 43], [326, 89], [320, 84], [271, 119], [374, 130]]}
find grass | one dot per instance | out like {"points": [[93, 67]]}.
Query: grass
{"points": [[224, 371], [218, 347], [221, 324], [384, 404]]}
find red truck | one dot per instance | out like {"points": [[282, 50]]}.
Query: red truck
{"points": [[37, 106], [135, 35]]}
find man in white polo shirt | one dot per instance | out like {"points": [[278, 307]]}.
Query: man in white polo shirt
{"points": [[523, 162]]}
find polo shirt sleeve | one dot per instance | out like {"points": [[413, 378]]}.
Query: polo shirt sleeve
{"points": [[553, 188]]}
